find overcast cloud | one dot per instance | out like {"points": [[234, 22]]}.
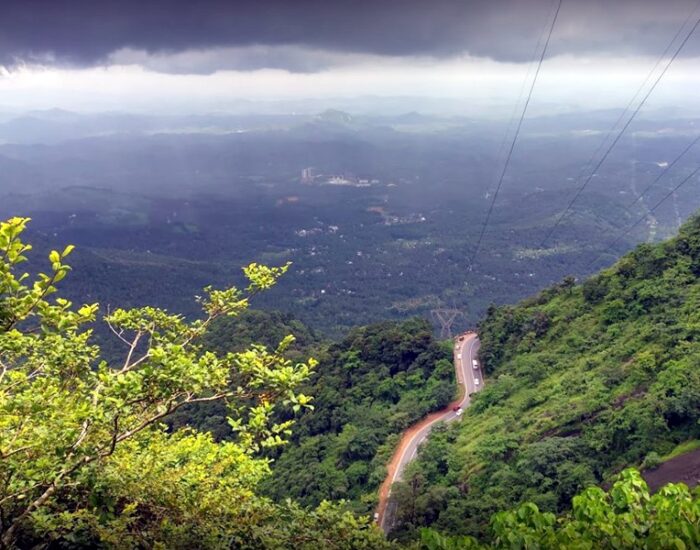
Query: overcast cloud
{"points": [[200, 55], [312, 35]]}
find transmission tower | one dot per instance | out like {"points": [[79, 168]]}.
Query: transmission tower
{"points": [[446, 318]]}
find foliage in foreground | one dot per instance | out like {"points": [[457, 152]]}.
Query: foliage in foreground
{"points": [[85, 459], [625, 517], [367, 388]]}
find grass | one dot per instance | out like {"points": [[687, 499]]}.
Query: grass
{"points": [[682, 448]]}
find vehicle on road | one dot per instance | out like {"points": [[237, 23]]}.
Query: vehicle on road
{"points": [[412, 439], [475, 363]]}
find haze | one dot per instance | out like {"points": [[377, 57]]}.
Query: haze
{"points": [[364, 141], [210, 56]]}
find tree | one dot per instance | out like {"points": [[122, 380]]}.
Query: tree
{"points": [[84, 455]]}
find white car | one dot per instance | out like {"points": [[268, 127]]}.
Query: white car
{"points": [[475, 363], [459, 356], [476, 381]]}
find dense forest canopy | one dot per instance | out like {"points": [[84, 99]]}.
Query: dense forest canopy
{"points": [[197, 436], [367, 388], [583, 381]]}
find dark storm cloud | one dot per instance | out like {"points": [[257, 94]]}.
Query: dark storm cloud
{"points": [[83, 32]]}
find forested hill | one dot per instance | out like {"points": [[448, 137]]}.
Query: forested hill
{"points": [[368, 387], [584, 380]]}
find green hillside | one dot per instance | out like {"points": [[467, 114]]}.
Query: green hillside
{"points": [[368, 387], [170, 444], [583, 380]]}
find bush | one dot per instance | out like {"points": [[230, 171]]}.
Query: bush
{"points": [[651, 461]]}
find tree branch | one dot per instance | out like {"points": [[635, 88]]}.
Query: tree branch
{"points": [[114, 331], [132, 347]]}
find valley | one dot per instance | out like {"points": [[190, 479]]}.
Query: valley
{"points": [[350, 275], [173, 211]]}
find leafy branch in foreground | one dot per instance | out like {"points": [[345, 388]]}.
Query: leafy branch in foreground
{"points": [[625, 517], [82, 446]]}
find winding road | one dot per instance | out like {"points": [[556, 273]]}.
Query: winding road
{"points": [[470, 380]]}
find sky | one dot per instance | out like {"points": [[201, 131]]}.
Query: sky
{"points": [[174, 55]]}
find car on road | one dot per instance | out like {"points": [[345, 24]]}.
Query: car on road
{"points": [[376, 516], [459, 356], [476, 381], [458, 410], [475, 363]]}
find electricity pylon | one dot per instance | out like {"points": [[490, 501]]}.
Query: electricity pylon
{"points": [[446, 318]]}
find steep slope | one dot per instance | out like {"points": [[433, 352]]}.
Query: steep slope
{"points": [[368, 387], [584, 380]]}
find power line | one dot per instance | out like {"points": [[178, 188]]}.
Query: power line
{"points": [[647, 214], [511, 120], [514, 113], [621, 133], [515, 136], [665, 171], [626, 110]]}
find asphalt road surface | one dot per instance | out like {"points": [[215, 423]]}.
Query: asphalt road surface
{"points": [[471, 380]]}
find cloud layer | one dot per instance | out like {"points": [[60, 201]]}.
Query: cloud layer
{"points": [[186, 36]]}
